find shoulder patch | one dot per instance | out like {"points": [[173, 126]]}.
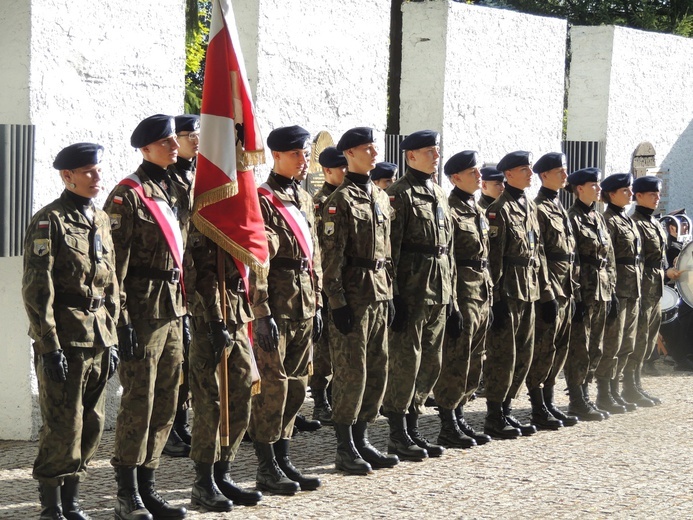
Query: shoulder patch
{"points": [[42, 246], [329, 228], [115, 220], [43, 224], [392, 197], [493, 231], [332, 210], [492, 215], [117, 199], [316, 205]]}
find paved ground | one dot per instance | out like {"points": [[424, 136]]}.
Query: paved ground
{"points": [[632, 466]]}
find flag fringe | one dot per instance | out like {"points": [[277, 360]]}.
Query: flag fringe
{"points": [[215, 195], [248, 159], [255, 388]]}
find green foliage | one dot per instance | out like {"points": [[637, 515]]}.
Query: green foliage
{"points": [[198, 17]]}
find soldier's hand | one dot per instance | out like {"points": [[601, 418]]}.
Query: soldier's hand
{"points": [[449, 308], [400, 321], [55, 366], [317, 326], [219, 337], [501, 312], [113, 361], [579, 312], [187, 334], [549, 311], [343, 318], [454, 324], [267, 333], [127, 341], [614, 308], [390, 313]]}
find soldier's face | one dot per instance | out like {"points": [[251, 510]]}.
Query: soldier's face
{"points": [[334, 176], [163, 152], [384, 183], [87, 180], [361, 158], [424, 159], [189, 144], [520, 177], [492, 188], [468, 180], [622, 196], [589, 192], [649, 199], [555, 179], [292, 164]]}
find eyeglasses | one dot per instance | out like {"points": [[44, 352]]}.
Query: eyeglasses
{"points": [[193, 136]]}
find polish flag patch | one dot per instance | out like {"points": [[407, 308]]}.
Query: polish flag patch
{"points": [[43, 224], [492, 215], [117, 200], [332, 210], [316, 205], [392, 197]]}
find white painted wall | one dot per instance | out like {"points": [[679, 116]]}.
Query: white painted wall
{"points": [[14, 63]]}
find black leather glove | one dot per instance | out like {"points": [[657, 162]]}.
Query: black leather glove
{"points": [[317, 326], [614, 308], [219, 337], [390, 313], [449, 308], [127, 341], [267, 333], [55, 366], [343, 318], [454, 324], [501, 313], [549, 311], [187, 334], [113, 361], [579, 312], [400, 321]]}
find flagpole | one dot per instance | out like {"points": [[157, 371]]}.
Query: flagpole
{"points": [[223, 366]]}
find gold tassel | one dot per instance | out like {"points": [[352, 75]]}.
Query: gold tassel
{"points": [[248, 159], [310, 368], [256, 388]]}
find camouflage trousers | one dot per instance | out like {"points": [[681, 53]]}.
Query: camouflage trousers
{"points": [[360, 365], [585, 344], [463, 358], [284, 373], [415, 356], [619, 339], [509, 352], [649, 321], [150, 393], [322, 361], [204, 385], [550, 347], [73, 415], [184, 395]]}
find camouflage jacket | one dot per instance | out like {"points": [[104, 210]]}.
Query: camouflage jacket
{"points": [[471, 246], [319, 199], [484, 202], [421, 238], [654, 243], [62, 260], [356, 232], [625, 238], [140, 244]]}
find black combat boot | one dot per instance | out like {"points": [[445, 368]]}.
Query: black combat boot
{"points": [[152, 500], [129, 504], [69, 494], [605, 401], [205, 492], [579, 408], [175, 446], [306, 425], [270, 477], [348, 459], [496, 424], [525, 429], [629, 405], [632, 386], [281, 450], [180, 424], [542, 419], [399, 442], [567, 420], [322, 411], [450, 434], [479, 438], [433, 450], [240, 497], [590, 403], [368, 452], [50, 502]]}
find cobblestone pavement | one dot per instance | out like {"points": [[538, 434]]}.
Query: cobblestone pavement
{"points": [[631, 466]]}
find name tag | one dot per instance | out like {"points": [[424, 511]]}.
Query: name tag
{"points": [[441, 217], [532, 240], [380, 218], [98, 247]]}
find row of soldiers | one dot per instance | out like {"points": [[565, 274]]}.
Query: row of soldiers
{"points": [[409, 289]]}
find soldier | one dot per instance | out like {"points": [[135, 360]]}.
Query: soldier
{"points": [[383, 174], [464, 349], [148, 211], [334, 167], [519, 279], [287, 312], [421, 240], [551, 339], [355, 242], [595, 259], [619, 336], [654, 240], [491, 186], [70, 293]]}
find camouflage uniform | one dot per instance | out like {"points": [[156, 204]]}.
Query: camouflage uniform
{"points": [[485, 201], [291, 294], [422, 257], [154, 306], [355, 243], [463, 357], [70, 294], [619, 336], [595, 259]]}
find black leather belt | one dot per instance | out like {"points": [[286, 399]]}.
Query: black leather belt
{"points": [[91, 304], [654, 265], [295, 264], [599, 263], [519, 260], [561, 257], [629, 260], [479, 265], [425, 250], [168, 275], [366, 263]]}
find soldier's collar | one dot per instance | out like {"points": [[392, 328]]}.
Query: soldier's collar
{"points": [[358, 178], [616, 209], [550, 194], [584, 206], [420, 176], [462, 195], [283, 182], [644, 211], [514, 192]]}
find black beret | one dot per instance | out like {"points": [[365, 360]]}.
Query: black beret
{"points": [[580, 177], [355, 137], [646, 184], [152, 129], [461, 161], [616, 181], [287, 138], [187, 123], [513, 160], [549, 161], [489, 173], [384, 170], [78, 155], [330, 157], [420, 139]]}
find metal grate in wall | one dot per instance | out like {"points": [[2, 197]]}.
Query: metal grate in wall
{"points": [[16, 186], [581, 154]]}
